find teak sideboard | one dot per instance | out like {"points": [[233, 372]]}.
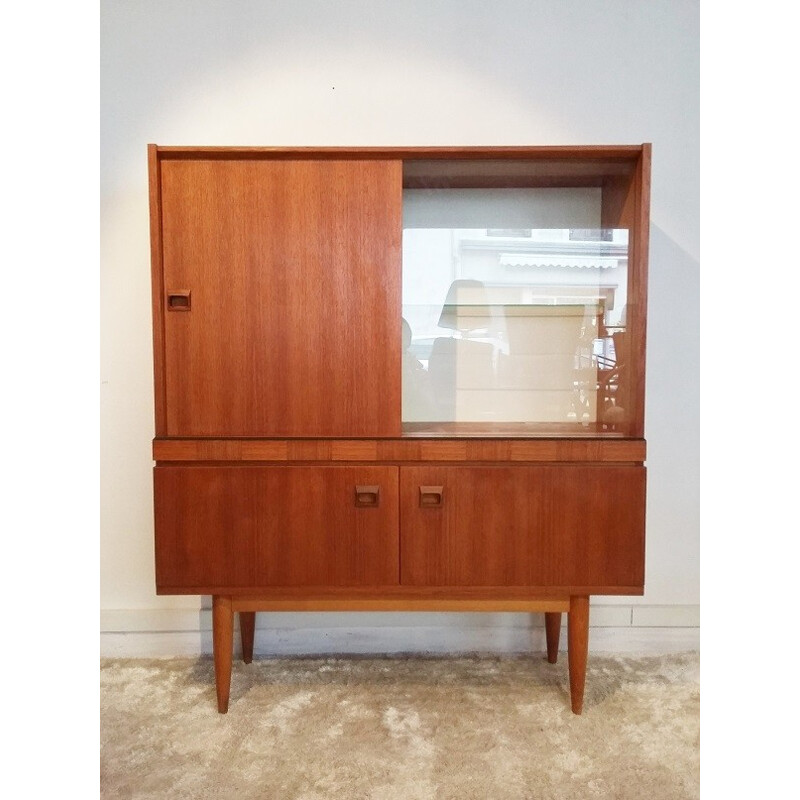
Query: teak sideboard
{"points": [[399, 379]]}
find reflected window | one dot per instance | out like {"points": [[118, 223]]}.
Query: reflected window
{"points": [[510, 323]]}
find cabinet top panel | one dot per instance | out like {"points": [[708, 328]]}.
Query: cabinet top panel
{"points": [[578, 152]]}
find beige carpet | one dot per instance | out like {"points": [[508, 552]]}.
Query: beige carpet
{"points": [[401, 729]]}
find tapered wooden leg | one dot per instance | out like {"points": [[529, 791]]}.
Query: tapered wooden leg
{"points": [[247, 625], [222, 620], [552, 628], [577, 648]]}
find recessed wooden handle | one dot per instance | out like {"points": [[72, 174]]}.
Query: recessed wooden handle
{"points": [[431, 496], [179, 300], [368, 496]]}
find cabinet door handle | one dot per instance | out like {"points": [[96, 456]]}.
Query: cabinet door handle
{"points": [[179, 300], [431, 496], [368, 496]]}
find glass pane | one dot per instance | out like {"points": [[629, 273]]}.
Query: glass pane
{"points": [[511, 324]]}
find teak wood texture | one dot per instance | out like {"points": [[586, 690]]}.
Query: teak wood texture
{"points": [[294, 274], [245, 526], [524, 526], [552, 625], [285, 478], [401, 450], [578, 644], [222, 618], [275, 526]]}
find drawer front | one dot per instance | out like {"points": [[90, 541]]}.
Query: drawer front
{"points": [[523, 526], [250, 527]]}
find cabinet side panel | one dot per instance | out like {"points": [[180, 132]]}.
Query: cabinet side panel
{"points": [[638, 293], [157, 279], [626, 204], [294, 272]]}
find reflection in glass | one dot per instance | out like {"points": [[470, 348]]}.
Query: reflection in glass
{"points": [[517, 324]]}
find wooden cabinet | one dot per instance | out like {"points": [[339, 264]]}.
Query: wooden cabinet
{"points": [[402, 379]]}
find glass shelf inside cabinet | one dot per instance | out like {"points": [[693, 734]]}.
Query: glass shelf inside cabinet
{"points": [[512, 328]]}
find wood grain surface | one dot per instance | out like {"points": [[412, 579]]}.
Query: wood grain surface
{"points": [[577, 649], [637, 292], [624, 152], [544, 604], [274, 526], [552, 625], [524, 526], [157, 289], [222, 633], [247, 629], [401, 450], [393, 596], [294, 270]]}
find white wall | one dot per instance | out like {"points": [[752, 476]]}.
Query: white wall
{"points": [[420, 72]]}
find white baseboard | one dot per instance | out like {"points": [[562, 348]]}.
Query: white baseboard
{"points": [[158, 633]]}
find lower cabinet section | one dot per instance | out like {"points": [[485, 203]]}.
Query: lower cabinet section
{"points": [[227, 527], [243, 526], [522, 526]]}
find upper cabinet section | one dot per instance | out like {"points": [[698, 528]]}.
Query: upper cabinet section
{"points": [[387, 292], [278, 296]]}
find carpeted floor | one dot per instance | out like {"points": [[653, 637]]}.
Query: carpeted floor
{"points": [[401, 729]]}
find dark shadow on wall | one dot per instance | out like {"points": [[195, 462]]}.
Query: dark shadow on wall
{"points": [[673, 337], [672, 413]]}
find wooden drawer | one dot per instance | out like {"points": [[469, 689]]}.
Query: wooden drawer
{"points": [[523, 526], [221, 527]]}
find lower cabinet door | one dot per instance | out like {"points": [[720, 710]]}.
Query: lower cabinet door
{"points": [[523, 526], [243, 526]]}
